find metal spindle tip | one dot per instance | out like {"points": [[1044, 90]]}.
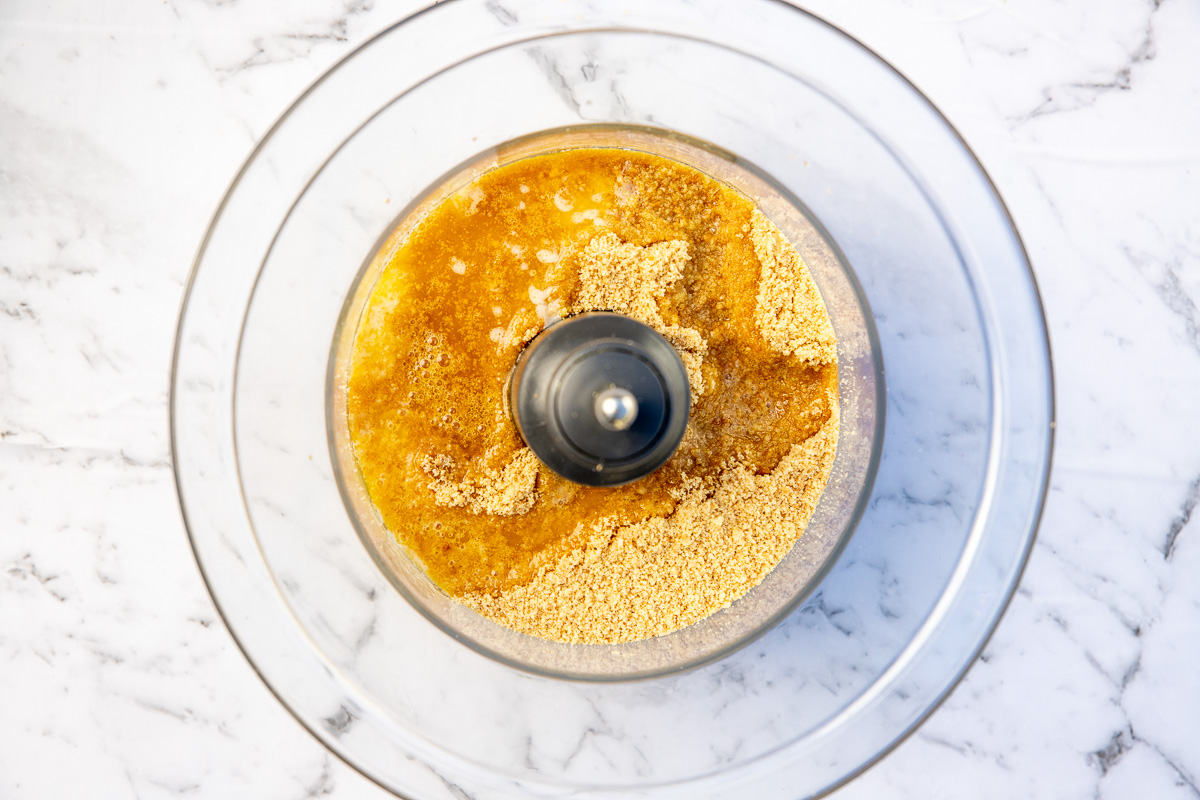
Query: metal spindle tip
{"points": [[616, 408]]}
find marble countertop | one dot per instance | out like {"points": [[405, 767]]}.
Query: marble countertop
{"points": [[120, 128]]}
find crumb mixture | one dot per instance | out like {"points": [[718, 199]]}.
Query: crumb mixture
{"points": [[631, 280], [521, 247], [789, 311]]}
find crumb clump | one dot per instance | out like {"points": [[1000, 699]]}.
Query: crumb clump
{"points": [[631, 280], [789, 312], [506, 492]]}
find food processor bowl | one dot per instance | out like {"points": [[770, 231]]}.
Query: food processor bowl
{"points": [[861, 406], [859, 650]]}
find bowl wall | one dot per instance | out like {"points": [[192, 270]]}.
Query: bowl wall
{"points": [[861, 400]]}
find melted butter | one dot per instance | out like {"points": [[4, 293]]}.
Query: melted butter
{"points": [[433, 353]]}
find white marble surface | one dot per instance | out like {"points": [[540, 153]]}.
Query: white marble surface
{"points": [[120, 126]]}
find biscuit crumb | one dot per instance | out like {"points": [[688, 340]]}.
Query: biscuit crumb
{"points": [[636, 581], [631, 280], [789, 312], [504, 492]]}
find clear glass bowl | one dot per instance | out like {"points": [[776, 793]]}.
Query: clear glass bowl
{"points": [[944, 533], [861, 406]]}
